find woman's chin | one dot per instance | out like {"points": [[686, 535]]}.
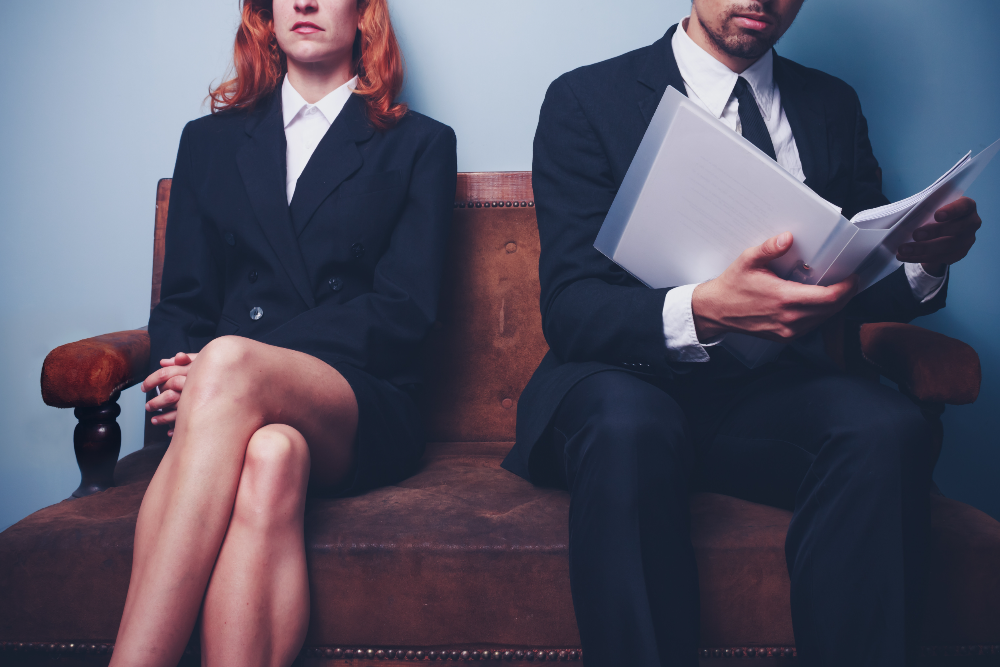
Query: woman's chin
{"points": [[315, 55]]}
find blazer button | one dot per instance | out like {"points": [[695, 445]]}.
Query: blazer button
{"points": [[256, 313], [336, 284], [252, 277], [230, 238], [358, 250]]}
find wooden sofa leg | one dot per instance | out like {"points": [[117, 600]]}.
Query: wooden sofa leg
{"points": [[97, 441]]}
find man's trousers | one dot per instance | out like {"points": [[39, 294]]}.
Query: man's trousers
{"points": [[848, 456]]}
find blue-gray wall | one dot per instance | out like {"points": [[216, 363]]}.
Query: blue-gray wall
{"points": [[95, 96]]}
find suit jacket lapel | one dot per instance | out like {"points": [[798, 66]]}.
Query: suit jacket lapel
{"points": [[807, 119], [334, 160], [261, 162], [659, 71]]}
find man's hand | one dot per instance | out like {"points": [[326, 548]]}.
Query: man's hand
{"points": [[170, 379], [945, 241], [749, 298]]}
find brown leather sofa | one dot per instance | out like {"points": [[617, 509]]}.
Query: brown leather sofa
{"points": [[464, 561]]}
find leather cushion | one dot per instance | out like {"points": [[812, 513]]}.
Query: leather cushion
{"points": [[488, 340], [464, 553]]}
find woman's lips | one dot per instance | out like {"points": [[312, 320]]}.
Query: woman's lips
{"points": [[750, 23], [306, 28]]}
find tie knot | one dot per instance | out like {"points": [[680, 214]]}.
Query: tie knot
{"points": [[742, 87]]}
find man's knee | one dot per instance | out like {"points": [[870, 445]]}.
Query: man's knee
{"points": [[620, 426], [885, 434], [275, 475]]}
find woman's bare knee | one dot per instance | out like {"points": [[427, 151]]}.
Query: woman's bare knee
{"points": [[275, 476], [277, 448], [224, 358], [221, 374]]}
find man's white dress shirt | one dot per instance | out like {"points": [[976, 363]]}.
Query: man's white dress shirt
{"points": [[709, 84], [305, 125]]}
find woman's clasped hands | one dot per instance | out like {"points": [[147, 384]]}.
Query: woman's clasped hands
{"points": [[170, 380]]}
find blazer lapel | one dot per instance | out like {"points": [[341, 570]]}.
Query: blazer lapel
{"points": [[261, 162], [807, 119], [335, 159], [659, 71]]}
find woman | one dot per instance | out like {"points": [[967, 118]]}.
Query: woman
{"points": [[308, 219]]}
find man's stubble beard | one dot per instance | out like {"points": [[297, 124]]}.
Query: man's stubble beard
{"points": [[738, 44]]}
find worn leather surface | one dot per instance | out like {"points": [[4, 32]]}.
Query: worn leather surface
{"points": [[89, 372], [488, 340], [464, 553], [925, 364]]}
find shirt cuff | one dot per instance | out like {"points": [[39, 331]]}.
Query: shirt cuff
{"points": [[924, 286], [679, 333]]}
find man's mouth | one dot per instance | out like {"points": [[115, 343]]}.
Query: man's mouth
{"points": [[752, 21], [306, 28]]}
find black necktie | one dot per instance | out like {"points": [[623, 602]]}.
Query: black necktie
{"points": [[754, 129]]}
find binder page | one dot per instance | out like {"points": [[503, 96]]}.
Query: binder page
{"points": [[885, 217], [854, 255], [883, 260], [708, 195]]}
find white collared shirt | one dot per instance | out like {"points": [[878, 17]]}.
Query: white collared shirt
{"points": [[710, 85], [305, 125]]}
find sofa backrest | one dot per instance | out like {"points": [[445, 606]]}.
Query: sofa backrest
{"points": [[488, 337]]}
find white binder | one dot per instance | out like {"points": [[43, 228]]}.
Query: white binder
{"points": [[698, 194]]}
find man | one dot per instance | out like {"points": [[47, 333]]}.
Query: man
{"points": [[634, 403]]}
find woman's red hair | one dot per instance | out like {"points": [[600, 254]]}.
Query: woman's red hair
{"points": [[260, 63]]}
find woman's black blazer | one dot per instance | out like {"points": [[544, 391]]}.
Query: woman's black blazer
{"points": [[348, 273]]}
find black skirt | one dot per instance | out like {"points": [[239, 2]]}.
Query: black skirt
{"points": [[389, 442]]}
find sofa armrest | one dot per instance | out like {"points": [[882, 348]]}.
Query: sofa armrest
{"points": [[92, 371], [929, 366]]}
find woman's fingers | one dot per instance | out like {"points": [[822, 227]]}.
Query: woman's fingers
{"points": [[172, 361], [152, 380], [165, 418], [184, 358], [179, 359], [176, 383], [171, 379], [158, 377], [164, 400]]}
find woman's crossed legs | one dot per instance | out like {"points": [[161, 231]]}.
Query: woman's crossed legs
{"points": [[220, 528]]}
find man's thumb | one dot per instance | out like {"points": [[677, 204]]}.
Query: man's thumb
{"points": [[772, 248]]}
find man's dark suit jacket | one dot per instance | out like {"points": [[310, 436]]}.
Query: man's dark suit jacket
{"points": [[348, 273], [595, 316]]}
